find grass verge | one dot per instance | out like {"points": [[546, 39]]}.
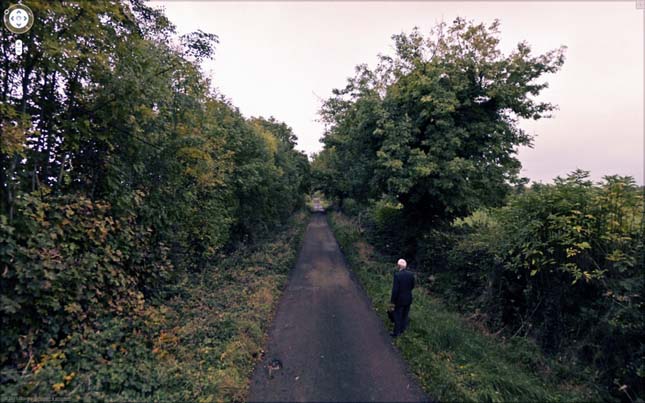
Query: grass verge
{"points": [[454, 358], [221, 324]]}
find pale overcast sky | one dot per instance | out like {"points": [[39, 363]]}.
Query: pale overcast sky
{"points": [[281, 58]]}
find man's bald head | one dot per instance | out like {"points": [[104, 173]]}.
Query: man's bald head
{"points": [[402, 264]]}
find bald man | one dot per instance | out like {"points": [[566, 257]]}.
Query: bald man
{"points": [[401, 297]]}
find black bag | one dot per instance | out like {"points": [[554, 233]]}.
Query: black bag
{"points": [[390, 314]]}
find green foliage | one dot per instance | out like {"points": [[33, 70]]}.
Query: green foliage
{"points": [[454, 357], [121, 172], [435, 126], [350, 206], [198, 346], [65, 263], [578, 248], [430, 136], [386, 223], [270, 176], [561, 263]]}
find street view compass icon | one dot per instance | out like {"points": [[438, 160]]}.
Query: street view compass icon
{"points": [[18, 18]]}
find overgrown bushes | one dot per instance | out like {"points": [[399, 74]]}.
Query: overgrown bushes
{"points": [[66, 262], [560, 263], [454, 357], [198, 345], [120, 171]]}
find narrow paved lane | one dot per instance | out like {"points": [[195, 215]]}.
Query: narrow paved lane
{"points": [[331, 344]]}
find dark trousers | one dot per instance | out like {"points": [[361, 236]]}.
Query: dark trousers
{"points": [[401, 318]]}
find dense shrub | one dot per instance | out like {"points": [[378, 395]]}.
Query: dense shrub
{"points": [[563, 264], [350, 206], [121, 170], [465, 262], [65, 263], [198, 346], [578, 250], [386, 227], [453, 359]]}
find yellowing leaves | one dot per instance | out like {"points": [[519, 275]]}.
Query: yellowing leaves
{"points": [[394, 164], [14, 128], [269, 139], [166, 340], [200, 165], [193, 154], [12, 139], [73, 308], [583, 245]]}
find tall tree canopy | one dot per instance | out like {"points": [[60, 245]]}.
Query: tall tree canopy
{"points": [[434, 127], [120, 168]]}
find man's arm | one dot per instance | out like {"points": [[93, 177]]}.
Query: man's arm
{"points": [[413, 280], [395, 289]]}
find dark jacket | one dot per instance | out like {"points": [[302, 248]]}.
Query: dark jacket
{"points": [[402, 288]]}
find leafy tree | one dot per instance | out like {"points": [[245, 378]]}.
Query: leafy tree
{"points": [[120, 172], [435, 126]]}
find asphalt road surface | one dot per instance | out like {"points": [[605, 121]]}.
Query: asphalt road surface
{"points": [[326, 340]]}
